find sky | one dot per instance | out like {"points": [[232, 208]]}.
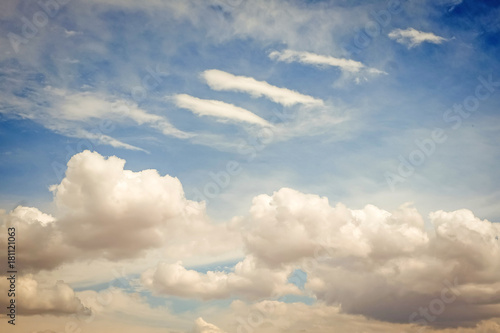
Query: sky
{"points": [[251, 166]]}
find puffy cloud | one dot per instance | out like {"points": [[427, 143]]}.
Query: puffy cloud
{"points": [[116, 211], [108, 212], [360, 258], [310, 223], [202, 326], [276, 317], [412, 37], [249, 279], [279, 317], [34, 299], [40, 244], [356, 259], [219, 80], [128, 308], [218, 109]]}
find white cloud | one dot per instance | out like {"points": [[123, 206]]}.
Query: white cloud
{"points": [[412, 37], [82, 115], [353, 257], [219, 80], [358, 257], [202, 326], [279, 317], [104, 211], [222, 111], [319, 60], [34, 299], [44, 246], [132, 309], [80, 107], [250, 280], [316, 60]]}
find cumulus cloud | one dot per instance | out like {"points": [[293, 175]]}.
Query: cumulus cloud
{"points": [[218, 109], [34, 299], [412, 37], [219, 80], [279, 317], [129, 308], [105, 211], [202, 326], [249, 280], [43, 244], [360, 258], [356, 259]]}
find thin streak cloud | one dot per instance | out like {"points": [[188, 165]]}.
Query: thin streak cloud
{"points": [[218, 109], [309, 58], [412, 37], [223, 81]]}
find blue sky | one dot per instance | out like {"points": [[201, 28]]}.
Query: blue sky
{"points": [[324, 97], [108, 50]]}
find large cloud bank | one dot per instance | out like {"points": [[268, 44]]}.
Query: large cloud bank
{"points": [[442, 269]]}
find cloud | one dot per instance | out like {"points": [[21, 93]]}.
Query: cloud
{"points": [[218, 109], [357, 258], [34, 299], [411, 37], [115, 306], [105, 211], [85, 115], [309, 58], [81, 107], [219, 80], [316, 60], [202, 326], [43, 243], [353, 258], [280, 317], [249, 280]]}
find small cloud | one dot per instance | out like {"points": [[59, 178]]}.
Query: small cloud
{"points": [[219, 80], [202, 326], [223, 111], [412, 37], [70, 33], [347, 65], [351, 70]]}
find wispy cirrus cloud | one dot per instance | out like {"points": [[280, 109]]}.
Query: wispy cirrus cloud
{"points": [[319, 60], [220, 80], [412, 37], [218, 109]]}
